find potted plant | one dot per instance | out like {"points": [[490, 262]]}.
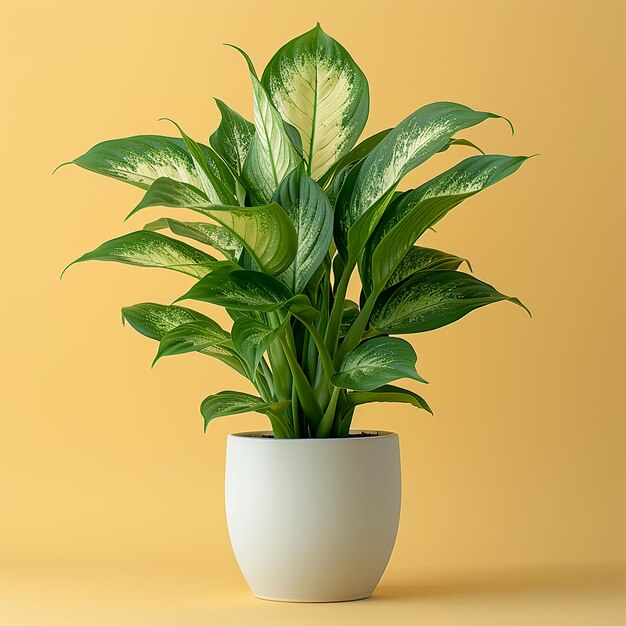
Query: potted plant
{"points": [[297, 208]]}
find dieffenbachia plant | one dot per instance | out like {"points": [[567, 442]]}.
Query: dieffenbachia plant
{"points": [[295, 207]]}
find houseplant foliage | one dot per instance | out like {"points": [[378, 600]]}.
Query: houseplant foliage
{"points": [[285, 211]]}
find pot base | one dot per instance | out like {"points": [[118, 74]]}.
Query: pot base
{"points": [[363, 596]]}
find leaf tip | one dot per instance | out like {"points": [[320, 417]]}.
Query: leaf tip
{"points": [[67, 267], [510, 123], [246, 57], [520, 303], [58, 167], [137, 208]]}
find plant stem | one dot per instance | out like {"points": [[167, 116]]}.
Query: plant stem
{"points": [[267, 373], [263, 388], [324, 355], [295, 412], [353, 338], [346, 423], [310, 405], [323, 429], [282, 430], [334, 324]]}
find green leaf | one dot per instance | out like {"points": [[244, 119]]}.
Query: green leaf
{"points": [[432, 299], [251, 338], [168, 192], [194, 337], [272, 154], [317, 87], [409, 144], [232, 138], [154, 320], [350, 313], [336, 184], [240, 289], [212, 235], [234, 403], [375, 363], [217, 181], [410, 215], [360, 151], [148, 249], [142, 159], [300, 306], [418, 259], [388, 393], [309, 210], [265, 231], [460, 142]]}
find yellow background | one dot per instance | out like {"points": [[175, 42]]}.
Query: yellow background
{"points": [[517, 484]]}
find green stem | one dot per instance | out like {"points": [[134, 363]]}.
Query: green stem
{"points": [[324, 355], [267, 373], [355, 334], [325, 426], [280, 373], [346, 423], [281, 429], [334, 323], [310, 405], [263, 388], [295, 412]]}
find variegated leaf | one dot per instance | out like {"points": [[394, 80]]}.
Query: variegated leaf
{"points": [[211, 235], [388, 393], [148, 249], [234, 403], [219, 188], [155, 320], [350, 313], [375, 363], [410, 215], [360, 151], [142, 159], [251, 338], [265, 231], [432, 299], [409, 144], [240, 289], [418, 259], [232, 138], [194, 337], [317, 87], [309, 210], [272, 154]]}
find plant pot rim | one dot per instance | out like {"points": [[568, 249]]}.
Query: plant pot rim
{"points": [[368, 434]]}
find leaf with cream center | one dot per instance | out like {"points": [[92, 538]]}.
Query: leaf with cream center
{"points": [[317, 87], [265, 231]]}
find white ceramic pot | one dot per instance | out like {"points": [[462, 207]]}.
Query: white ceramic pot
{"points": [[313, 520]]}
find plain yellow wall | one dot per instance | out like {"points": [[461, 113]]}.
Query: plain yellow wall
{"points": [[104, 460]]}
